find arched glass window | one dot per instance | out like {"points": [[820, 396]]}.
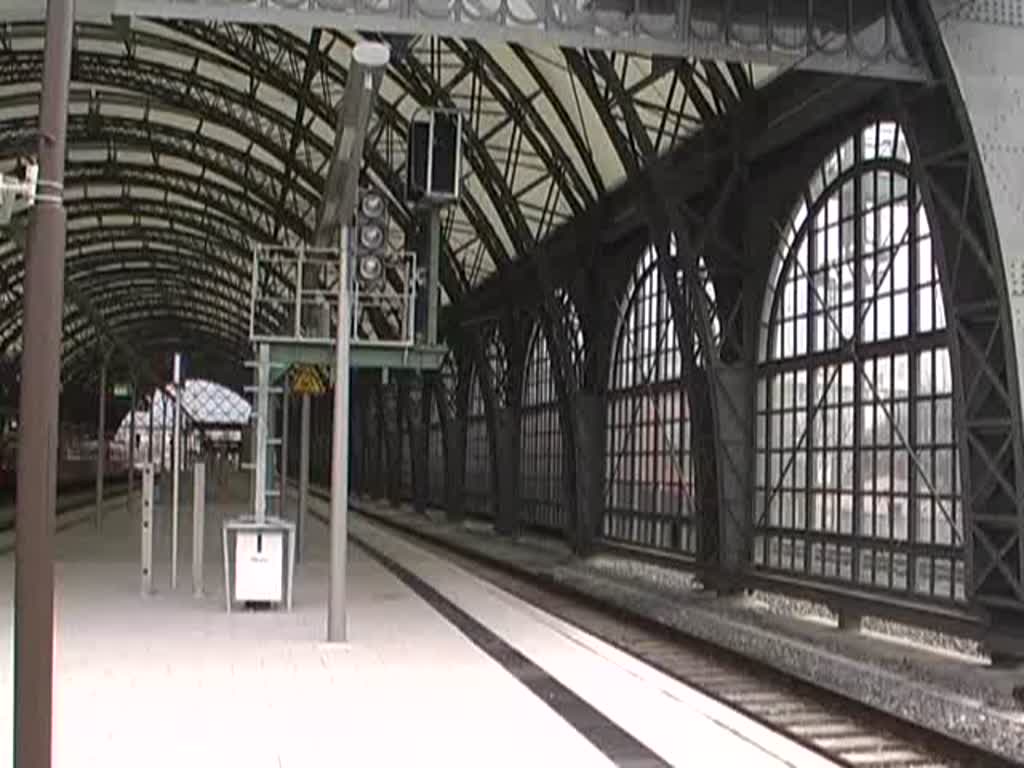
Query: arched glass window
{"points": [[649, 466], [541, 440], [574, 334], [857, 469]]}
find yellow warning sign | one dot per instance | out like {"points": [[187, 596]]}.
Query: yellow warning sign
{"points": [[306, 381]]}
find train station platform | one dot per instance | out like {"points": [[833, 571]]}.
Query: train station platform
{"points": [[918, 677], [441, 668]]}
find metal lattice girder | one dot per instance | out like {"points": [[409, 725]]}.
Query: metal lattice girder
{"points": [[765, 123], [827, 34], [435, 88], [286, 62], [505, 196]]}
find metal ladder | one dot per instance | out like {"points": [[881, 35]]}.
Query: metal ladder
{"points": [[264, 443]]}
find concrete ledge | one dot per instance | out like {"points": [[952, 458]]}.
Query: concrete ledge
{"points": [[950, 695]]}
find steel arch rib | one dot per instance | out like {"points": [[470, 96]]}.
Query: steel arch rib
{"points": [[634, 148], [165, 142], [142, 310], [201, 97], [189, 309], [186, 335], [263, 49]]}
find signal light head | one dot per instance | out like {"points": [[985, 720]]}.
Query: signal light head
{"points": [[372, 205], [371, 236], [370, 269]]}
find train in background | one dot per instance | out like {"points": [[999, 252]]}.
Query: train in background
{"points": [[76, 460]]}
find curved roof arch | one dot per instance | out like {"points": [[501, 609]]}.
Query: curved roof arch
{"points": [[191, 141]]}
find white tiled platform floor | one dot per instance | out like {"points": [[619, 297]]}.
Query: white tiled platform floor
{"points": [[173, 681]]}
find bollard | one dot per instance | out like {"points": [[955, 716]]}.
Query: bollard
{"points": [[198, 526], [147, 529]]}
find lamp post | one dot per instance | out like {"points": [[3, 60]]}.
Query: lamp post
{"points": [[365, 73], [337, 630], [176, 471]]}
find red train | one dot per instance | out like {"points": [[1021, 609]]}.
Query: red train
{"points": [[76, 467]]}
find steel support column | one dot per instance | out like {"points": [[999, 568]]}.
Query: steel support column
{"points": [[419, 447], [262, 465], [286, 407], [36, 502], [163, 435], [391, 468], [176, 472], [337, 630], [591, 414], [383, 456], [507, 521], [433, 273], [455, 468], [300, 513], [101, 443], [734, 385], [131, 448], [272, 477], [357, 438], [149, 448]]}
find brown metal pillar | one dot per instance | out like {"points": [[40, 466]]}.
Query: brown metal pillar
{"points": [[286, 407], [40, 387]]}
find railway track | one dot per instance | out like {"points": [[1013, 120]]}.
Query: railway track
{"points": [[69, 497], [846, 731]]}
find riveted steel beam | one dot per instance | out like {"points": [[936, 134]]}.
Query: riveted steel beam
{"points": [[833, 37]]}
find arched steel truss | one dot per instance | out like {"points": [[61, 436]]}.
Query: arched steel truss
{"points": [[734, 221], [236, 121]]}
